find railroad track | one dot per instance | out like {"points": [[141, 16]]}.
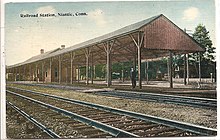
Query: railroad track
{"points": [[153, 97], [179, 100], [114, 122], [59, 125], [29, 127], [32, 124]]}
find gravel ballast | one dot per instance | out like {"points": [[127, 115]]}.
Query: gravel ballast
{"points": [[197, 116]]}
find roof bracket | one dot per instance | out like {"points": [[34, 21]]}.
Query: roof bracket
{"points": [[139, 42]]}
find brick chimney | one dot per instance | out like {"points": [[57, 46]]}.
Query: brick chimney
{"points": [[41, 51], [62, 46]]}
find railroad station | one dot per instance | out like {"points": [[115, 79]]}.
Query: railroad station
{"points": [[147, 40], [47, 96]]}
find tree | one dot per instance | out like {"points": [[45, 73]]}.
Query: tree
{"points": [[201, 35]]}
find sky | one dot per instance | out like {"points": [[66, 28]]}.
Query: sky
{"points": [[25, 36]]}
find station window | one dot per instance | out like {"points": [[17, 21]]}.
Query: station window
{"points": [[46, 73]]}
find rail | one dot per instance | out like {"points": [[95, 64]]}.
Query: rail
{"points": [[173, 99], [106, 128], [34, 121], [180, 125]]}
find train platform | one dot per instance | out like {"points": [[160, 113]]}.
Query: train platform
{"points": [[207, 88]]}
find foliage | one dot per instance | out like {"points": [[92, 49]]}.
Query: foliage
{"points": [[201, 35]]}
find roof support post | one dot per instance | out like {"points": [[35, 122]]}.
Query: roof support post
{"points": [[108, 67], [60, 69], [200, 80], [139, 67], [13, 73], [37, 78], [66, 72], [78, 74], [122, 73], [71, 69], [139, 44], [87, 54], [94, 74], [29, 72], [32, 72], [72, 56], [42, 71], [15, 69], [147, 70], [19, 71], [168, 70], [87, 70], [135, 63], [23, 75], [108, 48], [171, 68], [185, 70], [91, 68], [51, 70], [187, 67]]}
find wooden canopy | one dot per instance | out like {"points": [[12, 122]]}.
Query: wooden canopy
{"points": [[148, 39]]}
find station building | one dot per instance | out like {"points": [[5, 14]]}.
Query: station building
{"points": [[149, 39]]}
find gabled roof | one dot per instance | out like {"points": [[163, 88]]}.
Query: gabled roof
{"points": [[120, 32], [115, 34], [36, 58], [40, 56]]}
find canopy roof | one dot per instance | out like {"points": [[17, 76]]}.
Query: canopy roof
{"points": [[160, 35]]}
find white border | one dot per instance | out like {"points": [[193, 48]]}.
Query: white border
{"points": [[2, 78], [2, 64]]}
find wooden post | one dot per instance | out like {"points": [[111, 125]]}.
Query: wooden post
{"points": [[122, 72], [87, 54], [108, 69], [30, 72], [108, 48], [185, 69], [139, 67], [15, 74], [171, 69], [36, 73], [42, 71], [91, 68], [139, 44], [200, 70], [78, 74], [168, 70], [19, 71], [23, 73], [146, 68], [87, 70], [60, 69], [135, 64], [94, 74], [71, 67], [51, 75]]}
